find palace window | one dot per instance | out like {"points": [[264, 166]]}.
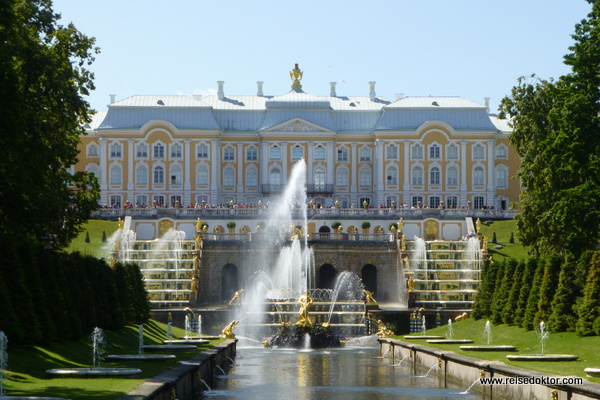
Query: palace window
{"points": [[202, 150], [319, 178], [275, 177], [115, 175], [141, 175], [228, 177], [364, 177], [159, 175], [417, 152], [452, 178], [92, 150], [342, 177], [478, 152], [202, 175], [417, 176], [452, 152], [342, 154], [365, 154], [229, 153], [251, 154], [116, 150], [252, 177], [452, 202], [176, 150], [141, 150], [434, 152], [434, 176], [392, 176], [159, 151], [275, 153], [319, 153], [297, 153], [176, 174], [478, 176], [392, 152]]}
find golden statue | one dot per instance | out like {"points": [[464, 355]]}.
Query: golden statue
{"points": [[393, 229], [259, 228], [296, 76], [478, 225], [369, 299], [236, 300], [121, 223], [198, 242], [228, 330], [340, 229], [400, 225], [305, 302], [196, 262], [296, 233], [194, 287], [411, 284], [383, 331], [199, 225]]}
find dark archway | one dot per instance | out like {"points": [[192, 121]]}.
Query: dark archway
{"points": [[324, 229], [327, 275], [229, 282], [369, 277]]}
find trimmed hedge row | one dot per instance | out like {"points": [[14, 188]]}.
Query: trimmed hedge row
{"points": [[562, 292], [47, 295]]}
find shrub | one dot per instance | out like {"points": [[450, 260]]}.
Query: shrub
{"points": [[87, 237], [393, 225], [231, 225], [336, 225], [494, 238], [365, 225]]}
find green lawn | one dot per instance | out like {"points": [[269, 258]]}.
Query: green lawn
{"points": [[527, 342], [27, 365], [503, 230], [94, 228]]}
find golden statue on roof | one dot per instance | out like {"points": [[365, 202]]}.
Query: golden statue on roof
{"points": [[296, 76]]}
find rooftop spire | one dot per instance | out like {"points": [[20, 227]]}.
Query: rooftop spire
{"points": [[296, 76]]}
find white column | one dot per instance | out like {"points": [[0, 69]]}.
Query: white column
{"points": [[406, 166], [309, 163], [130, 171], [491, 162], [215, 165], [379, 181], [240, 169], [103, 170], [353, 172], [187, 173], [284, 162], [330, 161], [463, 173], [263, 157]]}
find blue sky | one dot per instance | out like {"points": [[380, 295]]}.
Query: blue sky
{"points": [[468, 48]]}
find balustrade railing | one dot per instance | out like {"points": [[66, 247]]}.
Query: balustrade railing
{"points": [[311, 212]]}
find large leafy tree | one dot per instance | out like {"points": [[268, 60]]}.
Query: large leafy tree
{"points": [[43, 78], [556, 131]]}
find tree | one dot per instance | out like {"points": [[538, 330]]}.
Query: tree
{"points": [[556, 132], [44, 77], [548, 288], [590, 308], [482, 307]]}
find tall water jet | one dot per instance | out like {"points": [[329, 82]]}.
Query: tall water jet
{"points": [[420, 254], [450, 331], [487, 332], [543, 334], [97, 346]]}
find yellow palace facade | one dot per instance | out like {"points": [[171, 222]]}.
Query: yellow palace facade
{"points": [[182, 151]]}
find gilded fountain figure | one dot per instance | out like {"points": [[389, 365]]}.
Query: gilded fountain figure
{"points": [[304, 317]]}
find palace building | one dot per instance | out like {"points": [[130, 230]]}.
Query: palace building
{"points": [[180, 151]]}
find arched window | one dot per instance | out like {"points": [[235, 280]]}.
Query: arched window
{"points": [[434, 176], [94, 169], [252, 177], [342, 177], [141, 175], [159, 175], [176, 175], [392, 152], [478, 176], [501, 176], [228, 177], [275, 177], [115, 175], [417, 176], [116, 150], [92, 150], [342, 154], [229, 153], [417, 152], [452, 179], [251, 154], [392, 176], [319, 178], [275, 153], [364, 177], [434, 152], [141, 150], [202, 175]]}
